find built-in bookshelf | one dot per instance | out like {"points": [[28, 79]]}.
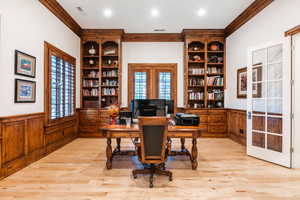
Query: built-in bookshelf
{"points": [[204, 73], [100, 73]]}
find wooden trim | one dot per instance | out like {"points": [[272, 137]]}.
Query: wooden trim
{"points": [[292, 31], [54, 7], [21, 117], [151, 69], [152, 37], [50, 49], [101, 34], [203, 33], [256, 7]]}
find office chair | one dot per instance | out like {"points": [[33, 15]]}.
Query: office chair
{"points": [[153, 148]]}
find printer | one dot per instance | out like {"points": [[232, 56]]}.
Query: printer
{"points": [[183, 119]]}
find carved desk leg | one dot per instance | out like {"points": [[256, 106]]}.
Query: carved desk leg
{"points": [[194, 154], [108, 154], [182, 140], [118, 145]]}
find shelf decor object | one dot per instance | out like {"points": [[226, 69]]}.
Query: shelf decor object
{"points": [[25, 64], [25, 91], [242, 83], [204, 72]]}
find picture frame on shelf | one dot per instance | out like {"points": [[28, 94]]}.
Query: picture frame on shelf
{"points": [[25, 64], [242, 83], [25, 91]]}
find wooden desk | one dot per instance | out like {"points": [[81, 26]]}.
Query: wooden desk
{"points": [[122, 131]]}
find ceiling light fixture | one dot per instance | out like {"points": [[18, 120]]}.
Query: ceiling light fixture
{"points": [[107, 12], [154, 12], [201, 12]]}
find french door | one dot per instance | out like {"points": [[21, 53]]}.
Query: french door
{"points": [[269, 104], [152, 81]]}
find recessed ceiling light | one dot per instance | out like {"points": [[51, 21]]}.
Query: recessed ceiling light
{"points": [[159, 29], [154, 12], [201, 12], [107, 12]]}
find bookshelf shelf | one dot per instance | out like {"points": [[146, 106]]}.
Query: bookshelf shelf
{"points": [[204, 72]]}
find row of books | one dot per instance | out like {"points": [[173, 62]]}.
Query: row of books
{"points": [[92, 92], [90, 83], [196, 95], [215, 95], [110, 83], [215, 81], [92, 74], [109, 91], [111, 73], [196, 82], [194, 71], [214, 70]]}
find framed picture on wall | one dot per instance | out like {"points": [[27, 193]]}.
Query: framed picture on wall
{"points": [[25, 91], [257, 81], [25, 64], [242, 83]]}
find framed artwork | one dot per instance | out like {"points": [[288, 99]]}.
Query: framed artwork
{"points": [[25, 91], [25, 64], [242, 83], [257, 81]]}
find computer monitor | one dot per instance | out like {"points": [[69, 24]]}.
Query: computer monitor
{"points": [[151, 107]]}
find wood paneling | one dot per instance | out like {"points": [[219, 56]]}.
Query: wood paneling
{"points": [[23, 140], [237, 125], [213, 122], [256, 7], [152, 37], [293, 31], [63, 15], [90, 121]]}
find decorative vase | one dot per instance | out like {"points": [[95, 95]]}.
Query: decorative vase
{"points": [[214, 47], [92, 51], [91, 62]]}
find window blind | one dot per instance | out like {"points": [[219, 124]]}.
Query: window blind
{"points": [[62, 88]]}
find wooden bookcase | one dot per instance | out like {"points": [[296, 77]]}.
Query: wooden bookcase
{"points": [[101, 73], [204, 72]]}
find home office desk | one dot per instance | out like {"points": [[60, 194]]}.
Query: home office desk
{"points": [[122, 131]]}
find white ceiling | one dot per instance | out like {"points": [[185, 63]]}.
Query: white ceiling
{"points": [[174, 15]]}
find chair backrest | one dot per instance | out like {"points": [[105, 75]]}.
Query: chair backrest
{"points": [[153, 139]]}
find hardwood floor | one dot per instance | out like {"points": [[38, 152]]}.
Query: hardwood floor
{"points": [[77, 172]]}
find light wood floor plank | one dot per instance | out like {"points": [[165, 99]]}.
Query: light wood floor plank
{"points": [[77, 172]]}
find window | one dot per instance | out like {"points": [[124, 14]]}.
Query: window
{"points": [[59, 84], [164, 91], [140, 85]]}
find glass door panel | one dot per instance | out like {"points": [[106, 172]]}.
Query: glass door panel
{"points": [[266, 105]]}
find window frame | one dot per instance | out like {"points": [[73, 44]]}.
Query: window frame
{"points": [[153, 70], [49, 51]]}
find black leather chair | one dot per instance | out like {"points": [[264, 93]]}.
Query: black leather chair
{"points": [[153, 148]]}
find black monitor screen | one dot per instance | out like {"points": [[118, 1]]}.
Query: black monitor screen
{"points": [[151, 107]]}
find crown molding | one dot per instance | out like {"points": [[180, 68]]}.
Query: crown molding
{"points": [[203, 33], [54, 7], [292, 31], [256, 7], [152, 37]]}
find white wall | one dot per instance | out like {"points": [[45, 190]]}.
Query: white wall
{"points": [[25, 25], [153, 52], [268, 26]]}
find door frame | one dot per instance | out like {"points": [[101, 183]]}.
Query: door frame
{"points": [[152, 68], [286, 110]]}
